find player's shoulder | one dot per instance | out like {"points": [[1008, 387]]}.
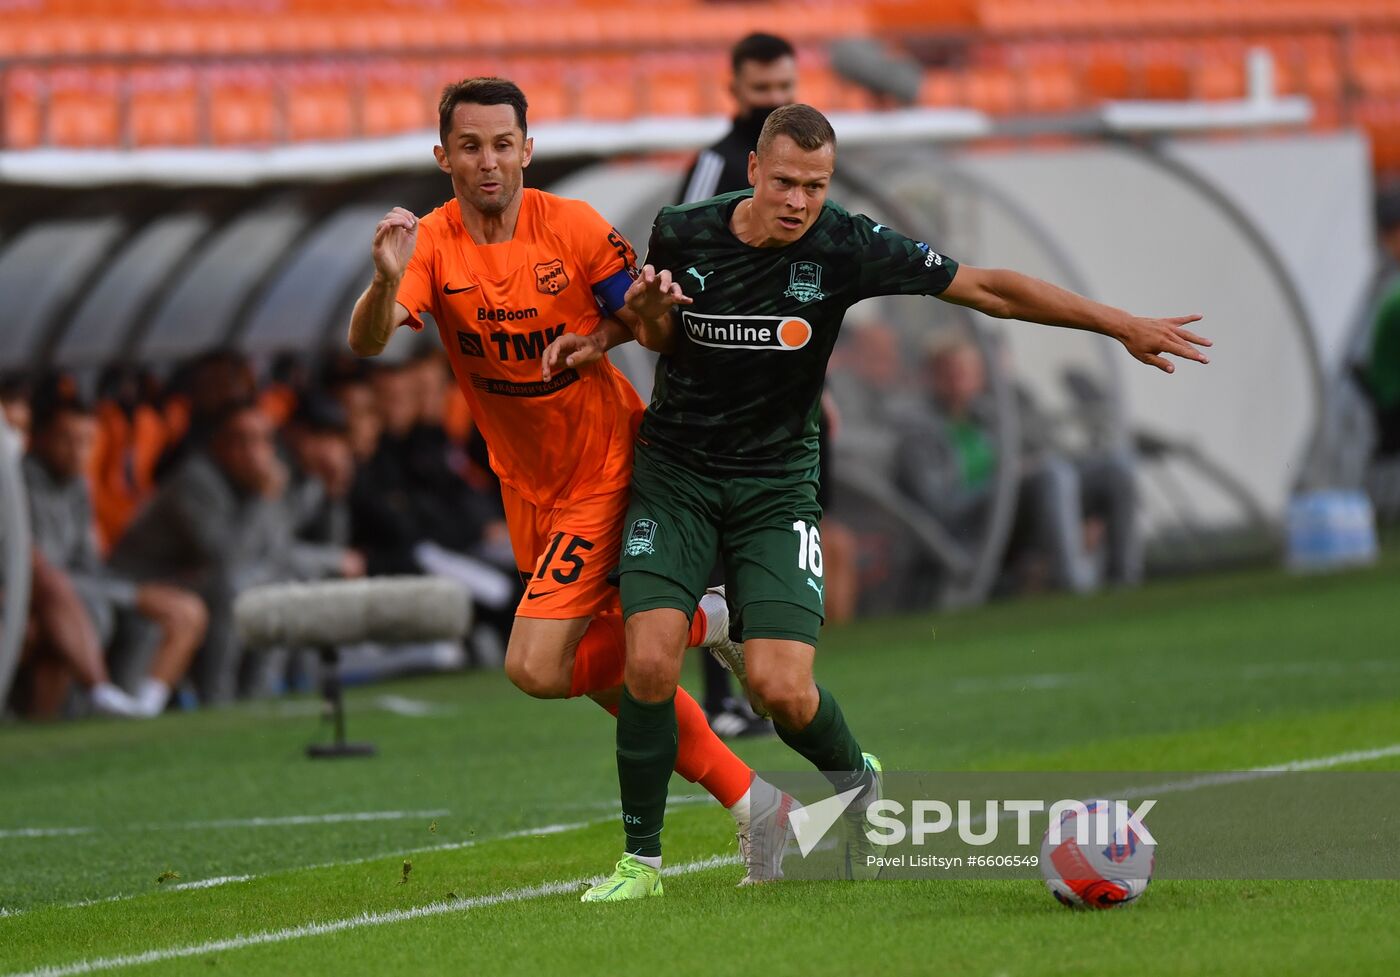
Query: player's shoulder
{"points": [[708, 211], [441, 217], [840, 228], [563, 212], [437, 224]]}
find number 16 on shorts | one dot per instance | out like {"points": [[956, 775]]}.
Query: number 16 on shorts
{"points": [[809, 553]]}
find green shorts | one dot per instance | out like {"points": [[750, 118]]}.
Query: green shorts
{"points": [[766, 530]]}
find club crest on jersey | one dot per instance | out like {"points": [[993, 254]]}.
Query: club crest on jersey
{"points": [[805, 281], [775, 332], [641, 538], [550, 277]]}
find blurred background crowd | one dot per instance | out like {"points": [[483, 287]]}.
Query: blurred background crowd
{"points": [[154, 503], [190, 187]]}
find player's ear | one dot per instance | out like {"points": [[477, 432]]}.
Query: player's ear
{"points": [[527, 152], [753, 168], [440, 155]]}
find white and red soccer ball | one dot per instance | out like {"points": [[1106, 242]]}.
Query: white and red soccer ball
{"points": [[1111, 868]]}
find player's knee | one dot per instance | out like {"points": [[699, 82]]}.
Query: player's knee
{"points": [[191, 615], [784, 693], [655, 647], [652, 676], [535, 675]]}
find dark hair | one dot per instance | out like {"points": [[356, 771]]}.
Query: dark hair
{"points": [[15, 386], [320, 413], [225, 415], [763, 48], [802, 124], [480, 91], [56, 395]]}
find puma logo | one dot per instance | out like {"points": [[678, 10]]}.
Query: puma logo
{"points": [[698, 277]]}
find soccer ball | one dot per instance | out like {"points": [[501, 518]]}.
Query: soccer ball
{"points": [[1105, 872]]}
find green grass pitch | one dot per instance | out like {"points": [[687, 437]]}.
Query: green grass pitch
{"points": [[503, 804]]}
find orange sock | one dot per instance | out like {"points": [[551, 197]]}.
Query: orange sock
{"points": [[600, 655], [702, 758], [698, 625], [602, 651]]}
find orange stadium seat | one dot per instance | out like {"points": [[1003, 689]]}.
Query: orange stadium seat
{"points": [[1219, 78], [164, 108], [939, 89], [389, 106], [243, 110], [83, 109], [1049, 88], [990, 89], [318, 104]]}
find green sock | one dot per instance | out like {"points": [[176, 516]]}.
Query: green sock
{"points": [[646, 755], [828, 744]]}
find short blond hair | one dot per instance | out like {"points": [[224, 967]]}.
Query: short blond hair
{"points": [[802, 124]]}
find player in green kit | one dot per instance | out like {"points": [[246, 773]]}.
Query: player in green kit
{"points": [[744, 294]]}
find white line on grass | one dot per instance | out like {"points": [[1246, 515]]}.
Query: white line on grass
{"points": [[273, 822], [1052, 681], [211, 883], [349, 923], [44, 832]]}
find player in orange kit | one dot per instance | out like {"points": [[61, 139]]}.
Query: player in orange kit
{"points": [[503, 270]]}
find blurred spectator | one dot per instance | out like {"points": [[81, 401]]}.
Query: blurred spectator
{"points": [[288, 381], [412, 512], [221, 523], [61, 517], [764, 78], [131, 435], [323, 470], [1072, 513], [346, 379], [869, 371], [14, 404], [62, 647], [198, 395], [1382, 374]]}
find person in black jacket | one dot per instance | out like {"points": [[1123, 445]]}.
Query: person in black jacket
{"points": [[765, 78]]}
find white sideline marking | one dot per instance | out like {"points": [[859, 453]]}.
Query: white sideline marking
{"points": [[349, 923], [295, 819], [548, 829], [1049, 681], [273, 822], [210, 883], [1228, 777], [416, 708], [43, 832]]}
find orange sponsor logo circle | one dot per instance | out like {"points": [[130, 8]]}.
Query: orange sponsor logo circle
{"points": [[794, 334]]}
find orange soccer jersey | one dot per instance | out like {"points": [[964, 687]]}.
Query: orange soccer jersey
{"points": [[497, 307], [562, 449]]}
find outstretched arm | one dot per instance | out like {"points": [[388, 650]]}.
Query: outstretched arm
{"points": [[1012, 295], [377, 312]]}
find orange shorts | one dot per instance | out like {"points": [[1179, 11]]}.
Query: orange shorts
{"points": [[570, 550]]}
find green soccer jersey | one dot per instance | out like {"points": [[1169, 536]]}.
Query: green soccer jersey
{"points": [[741, 394]]}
